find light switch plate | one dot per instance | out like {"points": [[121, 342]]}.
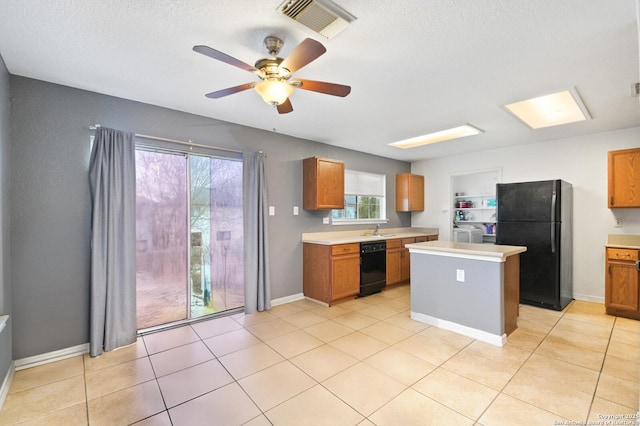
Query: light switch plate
{"points": [[460, 275], [272, 210], [295, 210]]}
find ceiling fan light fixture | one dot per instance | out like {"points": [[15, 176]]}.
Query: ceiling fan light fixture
{"points": [[274, 92], [441, 136]]}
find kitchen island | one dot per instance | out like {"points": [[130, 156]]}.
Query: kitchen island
{"points": [[471, 289]]}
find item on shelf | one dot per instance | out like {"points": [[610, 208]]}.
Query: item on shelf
{"points": [[467, 235]]}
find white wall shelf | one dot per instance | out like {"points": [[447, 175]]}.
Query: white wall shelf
{"points": [[477, 188]]}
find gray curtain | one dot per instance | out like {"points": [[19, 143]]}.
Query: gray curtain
{"points": [[257, 293], [112, 175]]}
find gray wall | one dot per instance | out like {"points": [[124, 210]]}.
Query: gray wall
{"points": [[476, 303], [50, 204], [5, 272]]}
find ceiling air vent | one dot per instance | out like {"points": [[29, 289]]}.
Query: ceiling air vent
{"points": [[322, 16]]}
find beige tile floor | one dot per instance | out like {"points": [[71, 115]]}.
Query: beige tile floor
{"points": [[363, 362]]}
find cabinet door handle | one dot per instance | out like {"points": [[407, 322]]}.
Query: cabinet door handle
{"points": [[637, 265]]}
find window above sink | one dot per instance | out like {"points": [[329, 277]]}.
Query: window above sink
{"points": [[364, 199]]}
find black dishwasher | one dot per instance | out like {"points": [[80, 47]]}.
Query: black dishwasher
{"points": [[373, 267]]}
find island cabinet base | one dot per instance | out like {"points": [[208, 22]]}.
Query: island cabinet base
{"points": [[473, 295]]}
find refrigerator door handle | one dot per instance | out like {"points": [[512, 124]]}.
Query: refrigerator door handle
{"points": [[553, 203], [553, 222]]}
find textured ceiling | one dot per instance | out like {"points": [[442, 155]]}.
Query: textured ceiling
{"points": [[414, 66]]}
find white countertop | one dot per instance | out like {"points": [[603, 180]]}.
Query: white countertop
{"points": [[492, 252], [622, 246], [358, 236]]}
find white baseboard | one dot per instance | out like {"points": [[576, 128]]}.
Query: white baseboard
{"points": [[588, 298], [6, 383], [317, 301], [287, 299], [34, 361], [474, 333]]}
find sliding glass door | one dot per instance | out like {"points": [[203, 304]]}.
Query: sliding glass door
{"points": [[189, 236], [217, 251]]}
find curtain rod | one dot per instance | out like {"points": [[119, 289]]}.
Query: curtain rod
{"points": [[189, 143]]}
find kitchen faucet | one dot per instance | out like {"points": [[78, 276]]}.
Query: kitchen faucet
{"points": [[377, 227]]}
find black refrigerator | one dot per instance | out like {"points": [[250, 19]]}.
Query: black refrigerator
{"points": [[538, 215]]}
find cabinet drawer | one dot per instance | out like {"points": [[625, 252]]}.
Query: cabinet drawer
{"points": [[622, 254], [394, 244], [422, 239], [345, 248], [406, 241]]}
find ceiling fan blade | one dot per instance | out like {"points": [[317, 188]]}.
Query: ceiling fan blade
{"points": [[215, 54], [323, 87], [285, 107], [307, 51], [229, 91]]}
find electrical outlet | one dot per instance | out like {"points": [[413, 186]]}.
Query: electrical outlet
{"points": [[618, 223], [295, 210], [460, 275], [325, 220]]}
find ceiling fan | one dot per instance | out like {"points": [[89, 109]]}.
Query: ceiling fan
{"points": [[275, 73]]}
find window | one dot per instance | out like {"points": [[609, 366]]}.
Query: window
{"points": [[364, 195]]}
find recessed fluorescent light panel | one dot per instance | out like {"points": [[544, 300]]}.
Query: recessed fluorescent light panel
{"points": [[550, 110], [443, 135]]}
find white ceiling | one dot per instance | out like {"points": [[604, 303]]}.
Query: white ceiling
{"points": [[414, 66]]}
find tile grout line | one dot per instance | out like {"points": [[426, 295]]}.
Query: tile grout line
{"points": [[516, 372], [200, 339], [595, 390]]}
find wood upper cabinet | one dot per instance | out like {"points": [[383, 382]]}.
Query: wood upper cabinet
{"points": [[409, 193], [624, 178], [331, 273], [621, 283], [323, 184]]}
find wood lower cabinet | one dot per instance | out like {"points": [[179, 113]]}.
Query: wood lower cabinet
{"points": [[399, 258], [394, 261], [405, 273], [322, 184], [621, 283], [331, 273], [624, 178]]}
